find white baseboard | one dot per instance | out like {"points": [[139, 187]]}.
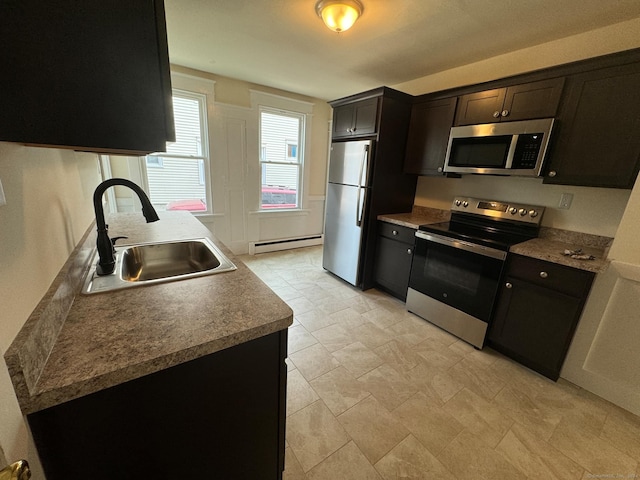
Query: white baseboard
{"points": [[285, 244]]}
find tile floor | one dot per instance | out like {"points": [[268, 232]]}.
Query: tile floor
{"points": [[375, 392]]}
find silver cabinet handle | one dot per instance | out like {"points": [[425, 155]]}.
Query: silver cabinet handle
{"points": [[552, 173], [409, 251], [505, 113], [496, 114], [394, 232], [544, 274], [508, 285]]}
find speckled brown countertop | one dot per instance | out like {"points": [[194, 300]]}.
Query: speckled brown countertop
{"points": [[552, 243], [549, 246], [418, 216], [73, 344]]}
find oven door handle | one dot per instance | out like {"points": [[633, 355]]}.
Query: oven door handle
{"points": [[462, 245]]}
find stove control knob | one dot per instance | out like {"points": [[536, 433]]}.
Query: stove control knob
{"points": [[523, 212], [465, 204], [533, 213], [458, 203], [513, 210]]}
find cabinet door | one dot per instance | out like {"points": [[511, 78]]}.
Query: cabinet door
{"points": [[88, 75], [343, 120], [358, 118], [394, 252], [429, 136], [597, 142], [480, 107], [532, 100], [534, 325]]}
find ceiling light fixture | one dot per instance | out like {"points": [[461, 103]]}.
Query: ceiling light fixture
{"points": [[339, 15]]}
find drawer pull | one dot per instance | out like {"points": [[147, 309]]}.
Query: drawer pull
{"points": [[544, 274], [508, 285], [409, 251], [394, 233]]}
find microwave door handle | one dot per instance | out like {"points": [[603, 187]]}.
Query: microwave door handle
{"points": [[512, 151]]}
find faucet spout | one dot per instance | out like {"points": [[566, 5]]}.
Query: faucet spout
{"points": [[106, 263]]}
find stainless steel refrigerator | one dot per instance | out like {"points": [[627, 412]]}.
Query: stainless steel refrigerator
{"points": [[348, 192]]}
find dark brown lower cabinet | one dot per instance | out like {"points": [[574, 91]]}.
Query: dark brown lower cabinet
{"points": [[537, 312], [221, 416], [394, 253]]}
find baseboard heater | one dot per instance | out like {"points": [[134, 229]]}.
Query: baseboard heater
{"points": [[284, 244]]}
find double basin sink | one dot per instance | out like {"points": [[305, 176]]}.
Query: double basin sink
{"points": [[150, 263]]}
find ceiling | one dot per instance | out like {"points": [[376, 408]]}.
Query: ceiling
{"points": [[283, 44]]}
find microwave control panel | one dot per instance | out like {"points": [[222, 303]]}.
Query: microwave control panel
{"points": [[527, 150]]}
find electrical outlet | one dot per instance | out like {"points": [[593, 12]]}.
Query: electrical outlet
{"points": [[3, 200], [565, 201]]}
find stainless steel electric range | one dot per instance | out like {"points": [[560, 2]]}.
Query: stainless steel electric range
{"points": [[457, 265]]}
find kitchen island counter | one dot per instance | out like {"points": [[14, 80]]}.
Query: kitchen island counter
{"points": [[74, 344]]}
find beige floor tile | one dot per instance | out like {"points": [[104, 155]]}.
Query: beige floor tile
{"points": [[339, 390], [435, 382], [301, 305], [486, 421], [411, 325], [535, 458], [389, 387], [477, 378], [313, 434], [348, 318], [373, 428], [313, 361], [299, 392], [286, 293], [622, 430], [299, 339], [358, 359], [428, 422], [315, 320], [370, 335], [292, 468], [583, 446], [436, 354], [535, 417], [314, 293], [382, 318], [398, 355], [469, 458], [347, 463], [410, 460], [334, 337]]}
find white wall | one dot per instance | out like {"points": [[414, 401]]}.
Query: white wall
{"points": [[49, 208]]}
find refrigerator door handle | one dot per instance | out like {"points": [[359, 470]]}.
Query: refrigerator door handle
{"points": [[360, 205], [364, 168]]}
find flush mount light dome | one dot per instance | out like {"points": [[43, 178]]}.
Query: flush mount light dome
{"points": [[339, 15]]}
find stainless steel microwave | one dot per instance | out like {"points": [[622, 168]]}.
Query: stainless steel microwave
{"points": [[506, 148]]}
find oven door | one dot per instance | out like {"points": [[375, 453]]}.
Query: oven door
{"points": [[460, 274]]}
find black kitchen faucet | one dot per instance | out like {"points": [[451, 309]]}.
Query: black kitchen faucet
{"points": [[107, 264]]}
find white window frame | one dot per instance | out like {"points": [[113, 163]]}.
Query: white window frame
{"points": [[300, 163], [205, 158]]}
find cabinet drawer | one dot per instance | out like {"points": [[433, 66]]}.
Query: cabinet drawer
{"points": [[397, 232], [567, 280]]}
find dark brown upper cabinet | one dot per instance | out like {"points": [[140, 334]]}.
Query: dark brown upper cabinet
{"points": [[518, 102], [92, 76], [355, 119], [597, 140], [428, 138]]}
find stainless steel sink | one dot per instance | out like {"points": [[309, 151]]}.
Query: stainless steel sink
{"points": [[150, 263]]}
